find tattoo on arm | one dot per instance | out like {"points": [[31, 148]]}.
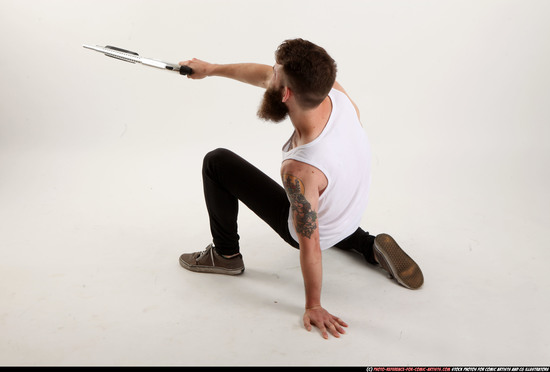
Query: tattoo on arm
{"points": [[305, 219]]}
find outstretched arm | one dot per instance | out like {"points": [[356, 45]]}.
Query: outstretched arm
{"points": [[301, 184], [250, 73]]}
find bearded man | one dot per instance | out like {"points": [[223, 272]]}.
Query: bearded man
{"points": [[325, 174]]}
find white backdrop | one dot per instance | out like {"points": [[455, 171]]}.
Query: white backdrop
{"points": [[100, 187]]}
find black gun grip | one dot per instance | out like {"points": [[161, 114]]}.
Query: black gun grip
{"points": [[186, 70]]}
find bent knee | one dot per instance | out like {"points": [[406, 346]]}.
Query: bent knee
{"points": [[217, 159], [216, 155]]}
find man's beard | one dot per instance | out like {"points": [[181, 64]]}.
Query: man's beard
{"points": [[272, 107]]}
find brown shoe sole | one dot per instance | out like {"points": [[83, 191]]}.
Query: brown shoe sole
{"points": [[400, 266]]}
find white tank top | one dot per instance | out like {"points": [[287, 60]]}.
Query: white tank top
{"points": [[342, 153]]}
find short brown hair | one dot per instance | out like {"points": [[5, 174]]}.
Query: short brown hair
{"points": [[309, 70]]}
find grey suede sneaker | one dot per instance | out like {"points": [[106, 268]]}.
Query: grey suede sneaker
{"points": [[209, 261], [394, 260]]}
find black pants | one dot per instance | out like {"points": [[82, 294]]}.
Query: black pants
{"points": [[228, 178]]}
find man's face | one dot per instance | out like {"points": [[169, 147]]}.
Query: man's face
{"points": [[272, 107]]}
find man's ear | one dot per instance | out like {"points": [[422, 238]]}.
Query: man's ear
{"points": [[287, 93]]}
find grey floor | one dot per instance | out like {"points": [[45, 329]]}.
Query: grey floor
{"points": [[100, 187]]}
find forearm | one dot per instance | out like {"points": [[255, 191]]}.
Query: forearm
{"points": [[250, 73], [312, 272]]}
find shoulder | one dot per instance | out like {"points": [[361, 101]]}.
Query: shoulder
{"points": [[307, 176], [339, 88], [299, 169]]}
